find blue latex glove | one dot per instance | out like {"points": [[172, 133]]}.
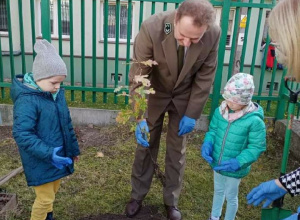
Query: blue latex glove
{"points": [[60, 162], [294, 216], [186, 125], [268, 190], [140, 133], [231, 165], [206, 151]]}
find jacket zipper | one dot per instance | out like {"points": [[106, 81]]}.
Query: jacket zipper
{"points": [[223, 143]]}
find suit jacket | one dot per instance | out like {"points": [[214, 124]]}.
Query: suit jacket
{"points": [[190, 88]]}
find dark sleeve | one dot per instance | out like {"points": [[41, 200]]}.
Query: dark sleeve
{"points": [[291, 181], [24, 129]]}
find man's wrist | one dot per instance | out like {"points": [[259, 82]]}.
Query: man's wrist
{"points": [[278, 183]]}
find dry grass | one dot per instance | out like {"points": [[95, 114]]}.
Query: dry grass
{"points": [[102, 185]]}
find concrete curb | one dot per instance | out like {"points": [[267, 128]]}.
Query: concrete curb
{"points": [[86, 116], [280, 128], [6, 114], [80, 116]]}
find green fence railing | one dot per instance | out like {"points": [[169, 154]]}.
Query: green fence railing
{"points": [[100, 42]]}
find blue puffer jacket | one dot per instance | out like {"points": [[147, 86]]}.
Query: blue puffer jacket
{"points": [[40, 125], [243, 139]]}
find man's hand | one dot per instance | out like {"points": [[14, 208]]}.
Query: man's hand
{"points": [[140, 133], [186, 125]]}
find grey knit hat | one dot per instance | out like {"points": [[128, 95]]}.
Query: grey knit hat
{"points": [[47, 62]]}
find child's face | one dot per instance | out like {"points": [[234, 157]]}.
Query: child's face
{"points": [[233, 106], [51, 84]]}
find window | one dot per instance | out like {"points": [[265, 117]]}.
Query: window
{"points": [[275, 86], [65, 21], [230, 24], [3, 16], [112, 77], [65, 18], [112, 21]]}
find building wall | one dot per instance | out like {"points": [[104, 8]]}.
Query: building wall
{"points": [[111, 45], [88, 29]]}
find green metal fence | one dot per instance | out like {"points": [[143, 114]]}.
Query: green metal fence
{"points": [[91, 19]]}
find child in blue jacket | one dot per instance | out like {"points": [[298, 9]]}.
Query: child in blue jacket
{"points": [[43, 129], [236, 138]]}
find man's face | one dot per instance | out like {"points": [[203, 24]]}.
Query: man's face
{"points": [[186, 33]]}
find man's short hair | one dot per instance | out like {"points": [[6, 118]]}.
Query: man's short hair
{"points": [[201, 11]]}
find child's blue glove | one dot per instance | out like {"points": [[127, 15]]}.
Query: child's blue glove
{"points": [[268, 190], [140, 133], [60, 162], [231, 165], [206, 151], [186, 125], [294, 216]]}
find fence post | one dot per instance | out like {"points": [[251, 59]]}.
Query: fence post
{"points": [[281, 101], [221, 54], [45, 15]]}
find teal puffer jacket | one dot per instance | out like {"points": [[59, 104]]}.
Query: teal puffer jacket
{"points": [[40, 125], [243, 139]]}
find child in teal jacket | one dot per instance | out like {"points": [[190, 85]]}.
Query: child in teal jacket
{"points": [[236, 138]]}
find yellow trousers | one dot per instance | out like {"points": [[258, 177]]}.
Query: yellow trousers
{"points": [[45, 196]]}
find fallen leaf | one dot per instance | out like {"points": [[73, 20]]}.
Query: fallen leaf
{"points": [[99, 154]]}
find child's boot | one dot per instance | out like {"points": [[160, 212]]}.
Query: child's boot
{"points": [[49, 216]]}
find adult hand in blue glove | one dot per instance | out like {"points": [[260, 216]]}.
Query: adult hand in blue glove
{"points": [[58, 161], [268, 191], [140, 133], [294, 216], [186, 125], [231, 165], [206, 151]]}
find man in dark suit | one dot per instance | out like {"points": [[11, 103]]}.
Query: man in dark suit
{"points": [[182, 84]]}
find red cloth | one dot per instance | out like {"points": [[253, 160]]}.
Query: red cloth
{"points": [[270, 56]]}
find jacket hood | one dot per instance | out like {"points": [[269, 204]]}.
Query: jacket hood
{"points": [[18, 89], [259, 112]]}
